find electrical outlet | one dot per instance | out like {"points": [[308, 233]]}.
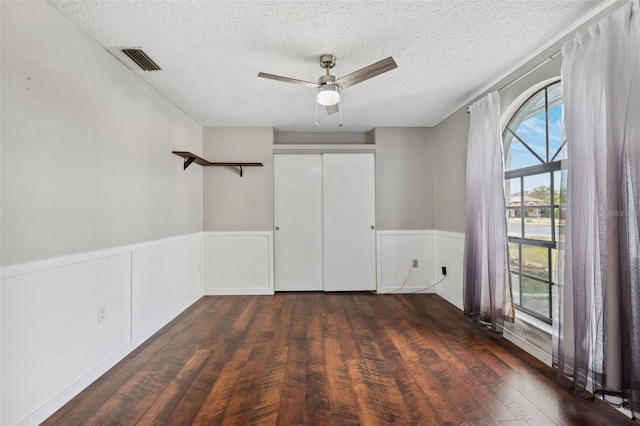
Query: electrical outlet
{"points": [[102, 314], [444, 270], [414, 263]]}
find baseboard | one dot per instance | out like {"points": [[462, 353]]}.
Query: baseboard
{"points": [[67, 292], [451, 299], [405, 290], [238, 291], [83, 382]]}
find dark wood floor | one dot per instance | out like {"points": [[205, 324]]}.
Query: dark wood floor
{"points": [[329, 359]]}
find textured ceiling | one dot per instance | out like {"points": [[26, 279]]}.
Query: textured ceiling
{"points": [[212, 51]]}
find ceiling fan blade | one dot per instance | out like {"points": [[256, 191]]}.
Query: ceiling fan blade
{"points": [[287, 80], [367, 73], [332, 109]]}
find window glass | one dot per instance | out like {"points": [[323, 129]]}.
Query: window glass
{"points": [[536, 296], [536, 202]]}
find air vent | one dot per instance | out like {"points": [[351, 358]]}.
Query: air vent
{"points": [[141, 59]]}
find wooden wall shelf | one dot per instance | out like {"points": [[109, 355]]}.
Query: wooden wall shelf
{"points": [[192, 158]]}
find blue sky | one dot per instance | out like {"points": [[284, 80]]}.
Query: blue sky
{"points": [[533, 132]]}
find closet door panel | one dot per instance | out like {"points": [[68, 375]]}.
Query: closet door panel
{"points": [[349, 219], [298, 222]]}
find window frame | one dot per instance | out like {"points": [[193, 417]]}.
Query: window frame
{"points": [[550, 168]]}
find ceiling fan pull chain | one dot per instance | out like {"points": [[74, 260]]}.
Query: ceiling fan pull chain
{"points": [[340, 112]]}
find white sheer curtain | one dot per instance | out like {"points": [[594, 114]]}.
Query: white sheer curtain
{"points": [[597, 331], [487, 282]]}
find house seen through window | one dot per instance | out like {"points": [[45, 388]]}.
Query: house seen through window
{"points": [[536, 202]]}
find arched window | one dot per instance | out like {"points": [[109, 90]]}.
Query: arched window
{"points": [[533, 150]]}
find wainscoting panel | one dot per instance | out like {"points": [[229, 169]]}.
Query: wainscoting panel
{"points": [[238, 263], [54, 343], [396, 251], [50, 331], [449, 252], [165, 277]]}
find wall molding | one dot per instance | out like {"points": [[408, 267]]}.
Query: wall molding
{"points": [[238, 263], [449, 252], [83, 282], [395, 251], [57, 402], [9, 271]]}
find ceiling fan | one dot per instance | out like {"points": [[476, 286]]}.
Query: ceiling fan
{"points": [[329, 87]]}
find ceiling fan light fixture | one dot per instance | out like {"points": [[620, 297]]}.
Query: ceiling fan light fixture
{"points": [[328, 95]]}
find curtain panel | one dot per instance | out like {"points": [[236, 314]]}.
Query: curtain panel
{"points": [[487, 281], [597, 327]]}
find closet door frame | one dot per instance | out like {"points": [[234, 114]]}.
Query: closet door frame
{"points": [[303, 269]]}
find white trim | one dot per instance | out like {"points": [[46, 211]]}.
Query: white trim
{"points": [[85, 377], [379, 261], [321, 149], [449, 234], [451, 299], [58, 401], [534, 322], [527, 347], [268, 290], [10, 271], [239, 292], [454, 276], [407, 232], [514, 106]]}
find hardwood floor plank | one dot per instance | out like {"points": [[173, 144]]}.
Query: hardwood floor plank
{"points": [[342, 403], [265, 407], [445, 390], [243, 333], [292, 396], [316, 385], [244, 393], [390, 397], [168, 399], [401, 349], [340, 359], [369, 406]]}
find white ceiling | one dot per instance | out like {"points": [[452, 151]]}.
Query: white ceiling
{"points": [[212, 51]]}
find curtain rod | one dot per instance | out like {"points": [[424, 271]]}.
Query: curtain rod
{"points": [[549, 59]]}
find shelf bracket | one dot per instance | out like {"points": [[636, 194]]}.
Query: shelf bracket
{"points": [[188, 161], [241, 170]]}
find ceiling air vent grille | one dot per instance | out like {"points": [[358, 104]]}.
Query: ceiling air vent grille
{"points": [[141, 59]]}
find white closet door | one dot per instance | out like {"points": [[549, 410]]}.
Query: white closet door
{"points": [[349, 219], [298, 222]]}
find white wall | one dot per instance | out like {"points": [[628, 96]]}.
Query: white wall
{"points": [[53, 344], [86, 157], [450, 166], [405, 178], [231, 202], [86, 171]]}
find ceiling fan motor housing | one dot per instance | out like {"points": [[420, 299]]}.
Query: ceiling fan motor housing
{"points": [[327, 80], [327, 62]]}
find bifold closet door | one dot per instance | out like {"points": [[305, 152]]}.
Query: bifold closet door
{"points": [[349, 220], [298, 222]]}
